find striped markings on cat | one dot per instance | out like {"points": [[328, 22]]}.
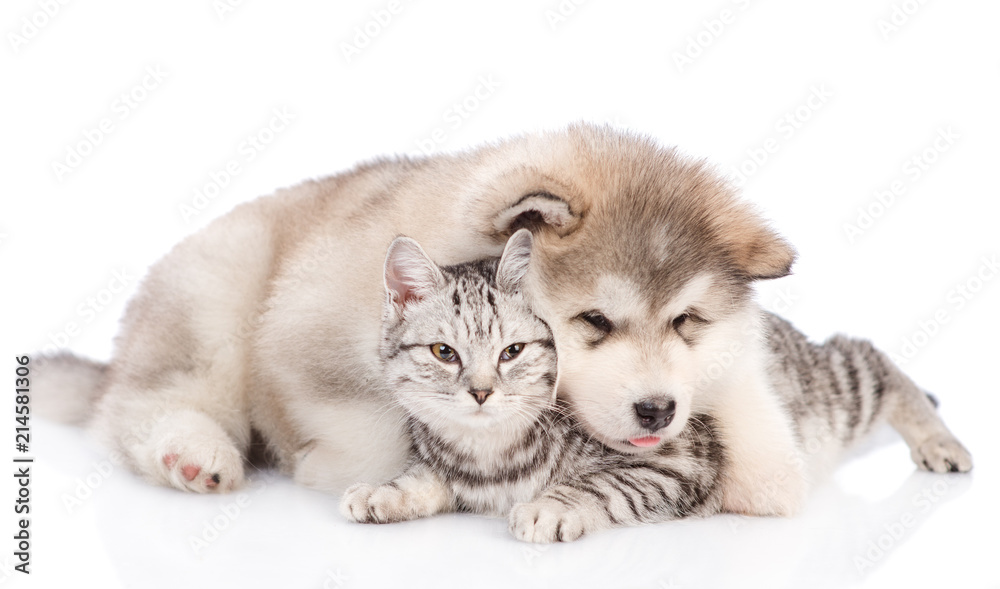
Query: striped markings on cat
{"points": [[229, 512]]}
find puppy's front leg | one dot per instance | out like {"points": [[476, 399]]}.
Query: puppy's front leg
{"points": [[416, 493]]}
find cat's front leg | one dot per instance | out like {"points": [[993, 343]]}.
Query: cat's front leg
{"points": [[638, 490], [561, 514], [416, 493]]}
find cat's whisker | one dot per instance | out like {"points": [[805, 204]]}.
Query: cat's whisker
{"points": [[695, 431], [383, 410]]}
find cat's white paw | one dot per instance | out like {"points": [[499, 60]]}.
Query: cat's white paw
{"points": [[942, 453], [354, 503], [545, 521], [200, 463], [380, 505]]}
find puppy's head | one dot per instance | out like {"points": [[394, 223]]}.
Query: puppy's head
{"points": [[644, 275]]}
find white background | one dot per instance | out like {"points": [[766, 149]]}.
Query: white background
{"points": [[888, 91]]}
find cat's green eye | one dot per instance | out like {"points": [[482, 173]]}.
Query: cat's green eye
{"points": [[444, 353], [511, 352]]}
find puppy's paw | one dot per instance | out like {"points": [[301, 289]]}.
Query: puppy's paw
{"points": [[942, 453], [545, 521], [354, 503], [202, 464], [190, 451]]}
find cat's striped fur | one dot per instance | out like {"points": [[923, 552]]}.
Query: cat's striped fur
{"points": [[555, 460], [837, 392], [529, 459]]}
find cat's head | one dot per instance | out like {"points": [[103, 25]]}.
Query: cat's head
{"points": [[460, 345]]}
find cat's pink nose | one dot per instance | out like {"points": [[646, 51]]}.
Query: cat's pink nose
{"points": [[481, 394]]}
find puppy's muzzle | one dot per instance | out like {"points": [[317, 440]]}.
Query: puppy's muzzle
{"points": [[655, 415]]}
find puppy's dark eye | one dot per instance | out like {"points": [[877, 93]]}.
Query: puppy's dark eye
{"points": [[681, 320], [598, 321]]}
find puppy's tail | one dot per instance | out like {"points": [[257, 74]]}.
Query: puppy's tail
{"points": [[65, 387]]}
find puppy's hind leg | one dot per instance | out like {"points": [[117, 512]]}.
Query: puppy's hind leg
{"points": [[173, 443]]}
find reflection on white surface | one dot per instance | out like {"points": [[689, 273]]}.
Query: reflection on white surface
{"points": [[873, 525]]}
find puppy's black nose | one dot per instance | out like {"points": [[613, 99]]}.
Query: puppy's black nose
{"points": [[655, 416], [481, 394]]}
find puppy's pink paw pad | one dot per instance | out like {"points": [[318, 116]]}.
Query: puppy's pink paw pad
{"points": [[190, 471], [200, 466]]}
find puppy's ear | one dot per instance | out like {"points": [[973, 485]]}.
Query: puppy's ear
{"points": [[410, 274], [536, 211], [515, 261], [756, 249]]}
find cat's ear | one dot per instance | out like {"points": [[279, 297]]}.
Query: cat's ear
{"points": [[535, 211], [515, 261], [410, 274]]}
